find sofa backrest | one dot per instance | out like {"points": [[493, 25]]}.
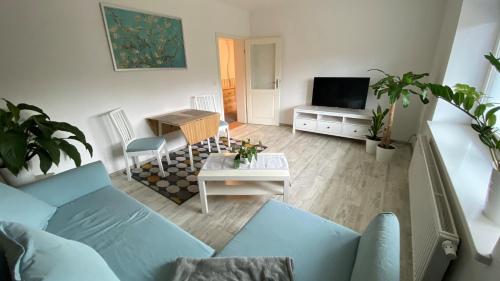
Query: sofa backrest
{"points": [[378, 253], [70, 185]]}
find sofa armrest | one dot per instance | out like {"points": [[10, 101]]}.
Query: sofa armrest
{"points": [[378, 253], [67, 186]]}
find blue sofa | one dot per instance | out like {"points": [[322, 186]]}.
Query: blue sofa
{"points": [[138, 244]]}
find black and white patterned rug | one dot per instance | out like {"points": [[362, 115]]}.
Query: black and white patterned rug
{"points": [[180, 183]]}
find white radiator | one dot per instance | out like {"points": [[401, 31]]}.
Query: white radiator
{"points": [[434, 236]]}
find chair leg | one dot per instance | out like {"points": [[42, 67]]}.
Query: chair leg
{"points": [[209, 145], [228, 137], [167, 155], [217, 143], [127, 168], [191, 157], [160, 164], [136, 161]]}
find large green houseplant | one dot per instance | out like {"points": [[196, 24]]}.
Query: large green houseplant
{"points": [[397, 88], [26, 132], [483, 114]]}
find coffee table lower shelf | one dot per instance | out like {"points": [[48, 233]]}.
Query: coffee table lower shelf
{"points": [[239, 187], [233, 187]]}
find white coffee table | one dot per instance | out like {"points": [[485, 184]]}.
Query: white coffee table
{"points": [[268, 175]]}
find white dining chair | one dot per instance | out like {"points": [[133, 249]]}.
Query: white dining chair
{"points": [[134, 147], [207, 103]]}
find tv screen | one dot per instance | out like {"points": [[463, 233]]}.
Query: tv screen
{"points": [[346, 92]]}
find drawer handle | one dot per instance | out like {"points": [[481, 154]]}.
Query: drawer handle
{"points": [[328, 127], [355, 131], [305, 124]]}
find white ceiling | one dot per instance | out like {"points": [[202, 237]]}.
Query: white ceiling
{"points": [[252, 5]]}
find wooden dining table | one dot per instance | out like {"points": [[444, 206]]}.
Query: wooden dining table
{"points": [[196, 125]]}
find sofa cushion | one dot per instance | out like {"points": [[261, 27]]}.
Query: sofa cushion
{"points": [[321, 249], [137, 243], [378, 250], [145, 144], [17, 206], [36, 255]]}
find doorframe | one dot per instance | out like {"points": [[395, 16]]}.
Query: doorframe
{"points": [[219, 35]]}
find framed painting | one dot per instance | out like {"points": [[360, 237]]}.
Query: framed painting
{"points": [[141, 40]]}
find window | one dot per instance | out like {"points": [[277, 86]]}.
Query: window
{"points": [[492, 90]]}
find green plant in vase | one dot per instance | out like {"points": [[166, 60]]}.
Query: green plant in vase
{"points": [[26, 132], [245, 154], [396, 88], [376, 125]]}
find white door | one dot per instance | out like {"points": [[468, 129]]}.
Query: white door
{"points": [[263, 65]]}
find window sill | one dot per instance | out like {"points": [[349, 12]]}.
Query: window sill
{"points": [[468, 168]]}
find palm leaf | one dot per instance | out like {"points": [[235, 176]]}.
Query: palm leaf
{"points": [[71, 151]]}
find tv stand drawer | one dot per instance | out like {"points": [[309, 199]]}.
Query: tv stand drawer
{"points": [[330, 127], [355, 130], [306, 124]]}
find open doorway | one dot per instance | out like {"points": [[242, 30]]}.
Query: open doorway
{"points": [[231, 53]]}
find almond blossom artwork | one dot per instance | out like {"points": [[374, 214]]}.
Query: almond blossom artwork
{"points": [[143, 41]]}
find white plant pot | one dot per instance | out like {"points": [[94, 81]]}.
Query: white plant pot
{"points": [[385, 154], [492, 207], [371, 145], [24, 177]]}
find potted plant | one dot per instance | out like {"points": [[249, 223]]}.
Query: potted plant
{"points": [[377, 122], [246, 153], [483, 115], [27, 132], [396, 87]]}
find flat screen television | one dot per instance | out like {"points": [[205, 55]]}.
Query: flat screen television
{"points": [[345, 92]]}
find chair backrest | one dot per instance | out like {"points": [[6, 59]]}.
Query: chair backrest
{"points": [[206, 103], [122, 125]]}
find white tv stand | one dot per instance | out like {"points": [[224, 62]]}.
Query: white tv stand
{"points": [[348, 123]]}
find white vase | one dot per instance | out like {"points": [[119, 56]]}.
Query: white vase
{"points": [[385, 154], [24, 177], [371, 145], [492, 207]]}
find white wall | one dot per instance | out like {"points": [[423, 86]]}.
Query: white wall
{"points": [[442, 55], [54, 54], [346, 38]]}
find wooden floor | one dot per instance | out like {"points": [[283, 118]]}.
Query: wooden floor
{"points": [[332, 177]]}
